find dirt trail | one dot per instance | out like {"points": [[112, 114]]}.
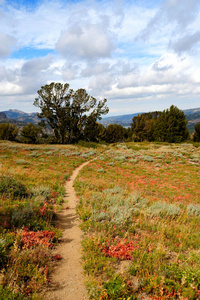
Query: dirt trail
{"points": [[67, 282]]}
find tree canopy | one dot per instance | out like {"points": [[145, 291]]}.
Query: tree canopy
{"points": [[8, 131], [196, 137], [114, 133], [68, 112], [30, 133], [167, 126]]}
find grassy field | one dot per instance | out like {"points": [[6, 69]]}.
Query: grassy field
{"points": [[140, 211], [32, 181]]}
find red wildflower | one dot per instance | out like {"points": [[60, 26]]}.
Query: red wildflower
{"points": [[121, 250], [31, 238], [58, 257]]}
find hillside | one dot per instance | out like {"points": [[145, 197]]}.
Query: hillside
{"points": [[3, 116], [124, 120], [21, 116], [193, 118]]}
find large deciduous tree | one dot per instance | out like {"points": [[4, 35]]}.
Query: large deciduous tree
{"points": [[68, 112]]}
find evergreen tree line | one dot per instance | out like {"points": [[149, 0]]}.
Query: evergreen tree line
{"points": [[74, 115], [35, 134], [167, 126]]}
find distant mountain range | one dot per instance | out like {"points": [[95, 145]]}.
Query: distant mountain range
{"points": [[19, 117], [124, 120]]}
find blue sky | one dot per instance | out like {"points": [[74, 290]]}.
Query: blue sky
{"points": [[139, 55]]}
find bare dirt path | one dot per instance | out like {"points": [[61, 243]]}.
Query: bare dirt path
{"points": [[67, 282]]}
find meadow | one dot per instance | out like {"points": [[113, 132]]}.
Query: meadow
{"points": [[31, 194], [140, 211]]}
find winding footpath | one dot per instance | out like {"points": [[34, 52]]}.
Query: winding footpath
{"points": [[67, 281]]}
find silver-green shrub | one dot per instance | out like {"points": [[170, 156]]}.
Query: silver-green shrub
{"points": [[147, 158], [164, 209], [117, 206], [41, 193], [193, 210], [22, 162]]}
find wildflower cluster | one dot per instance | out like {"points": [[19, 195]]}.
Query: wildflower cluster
{"points": [[31, 238], [122, 250]]}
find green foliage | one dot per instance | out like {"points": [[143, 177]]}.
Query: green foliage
{"points": [[66, 176], [91, 129], [71, 115], [9, 187], [30, 134], [116, 288], [22, 215], [193, 210], [6, 241], [28, 269], [40, 192], [172, 126], [6, 293], [143, 126], [167, 126], [86, 144], [196, 137], [8, 131], [114, 133], [147, 158], [164, 209]]}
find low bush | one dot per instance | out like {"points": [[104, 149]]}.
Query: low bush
{"points": [[162, 209], [40, 192], [9, 187], [193, 210]]}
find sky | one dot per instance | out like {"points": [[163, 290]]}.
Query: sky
{"points": [[141, 55]]}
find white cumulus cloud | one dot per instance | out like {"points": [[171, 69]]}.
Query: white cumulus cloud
{"points": [[89, 41]]}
